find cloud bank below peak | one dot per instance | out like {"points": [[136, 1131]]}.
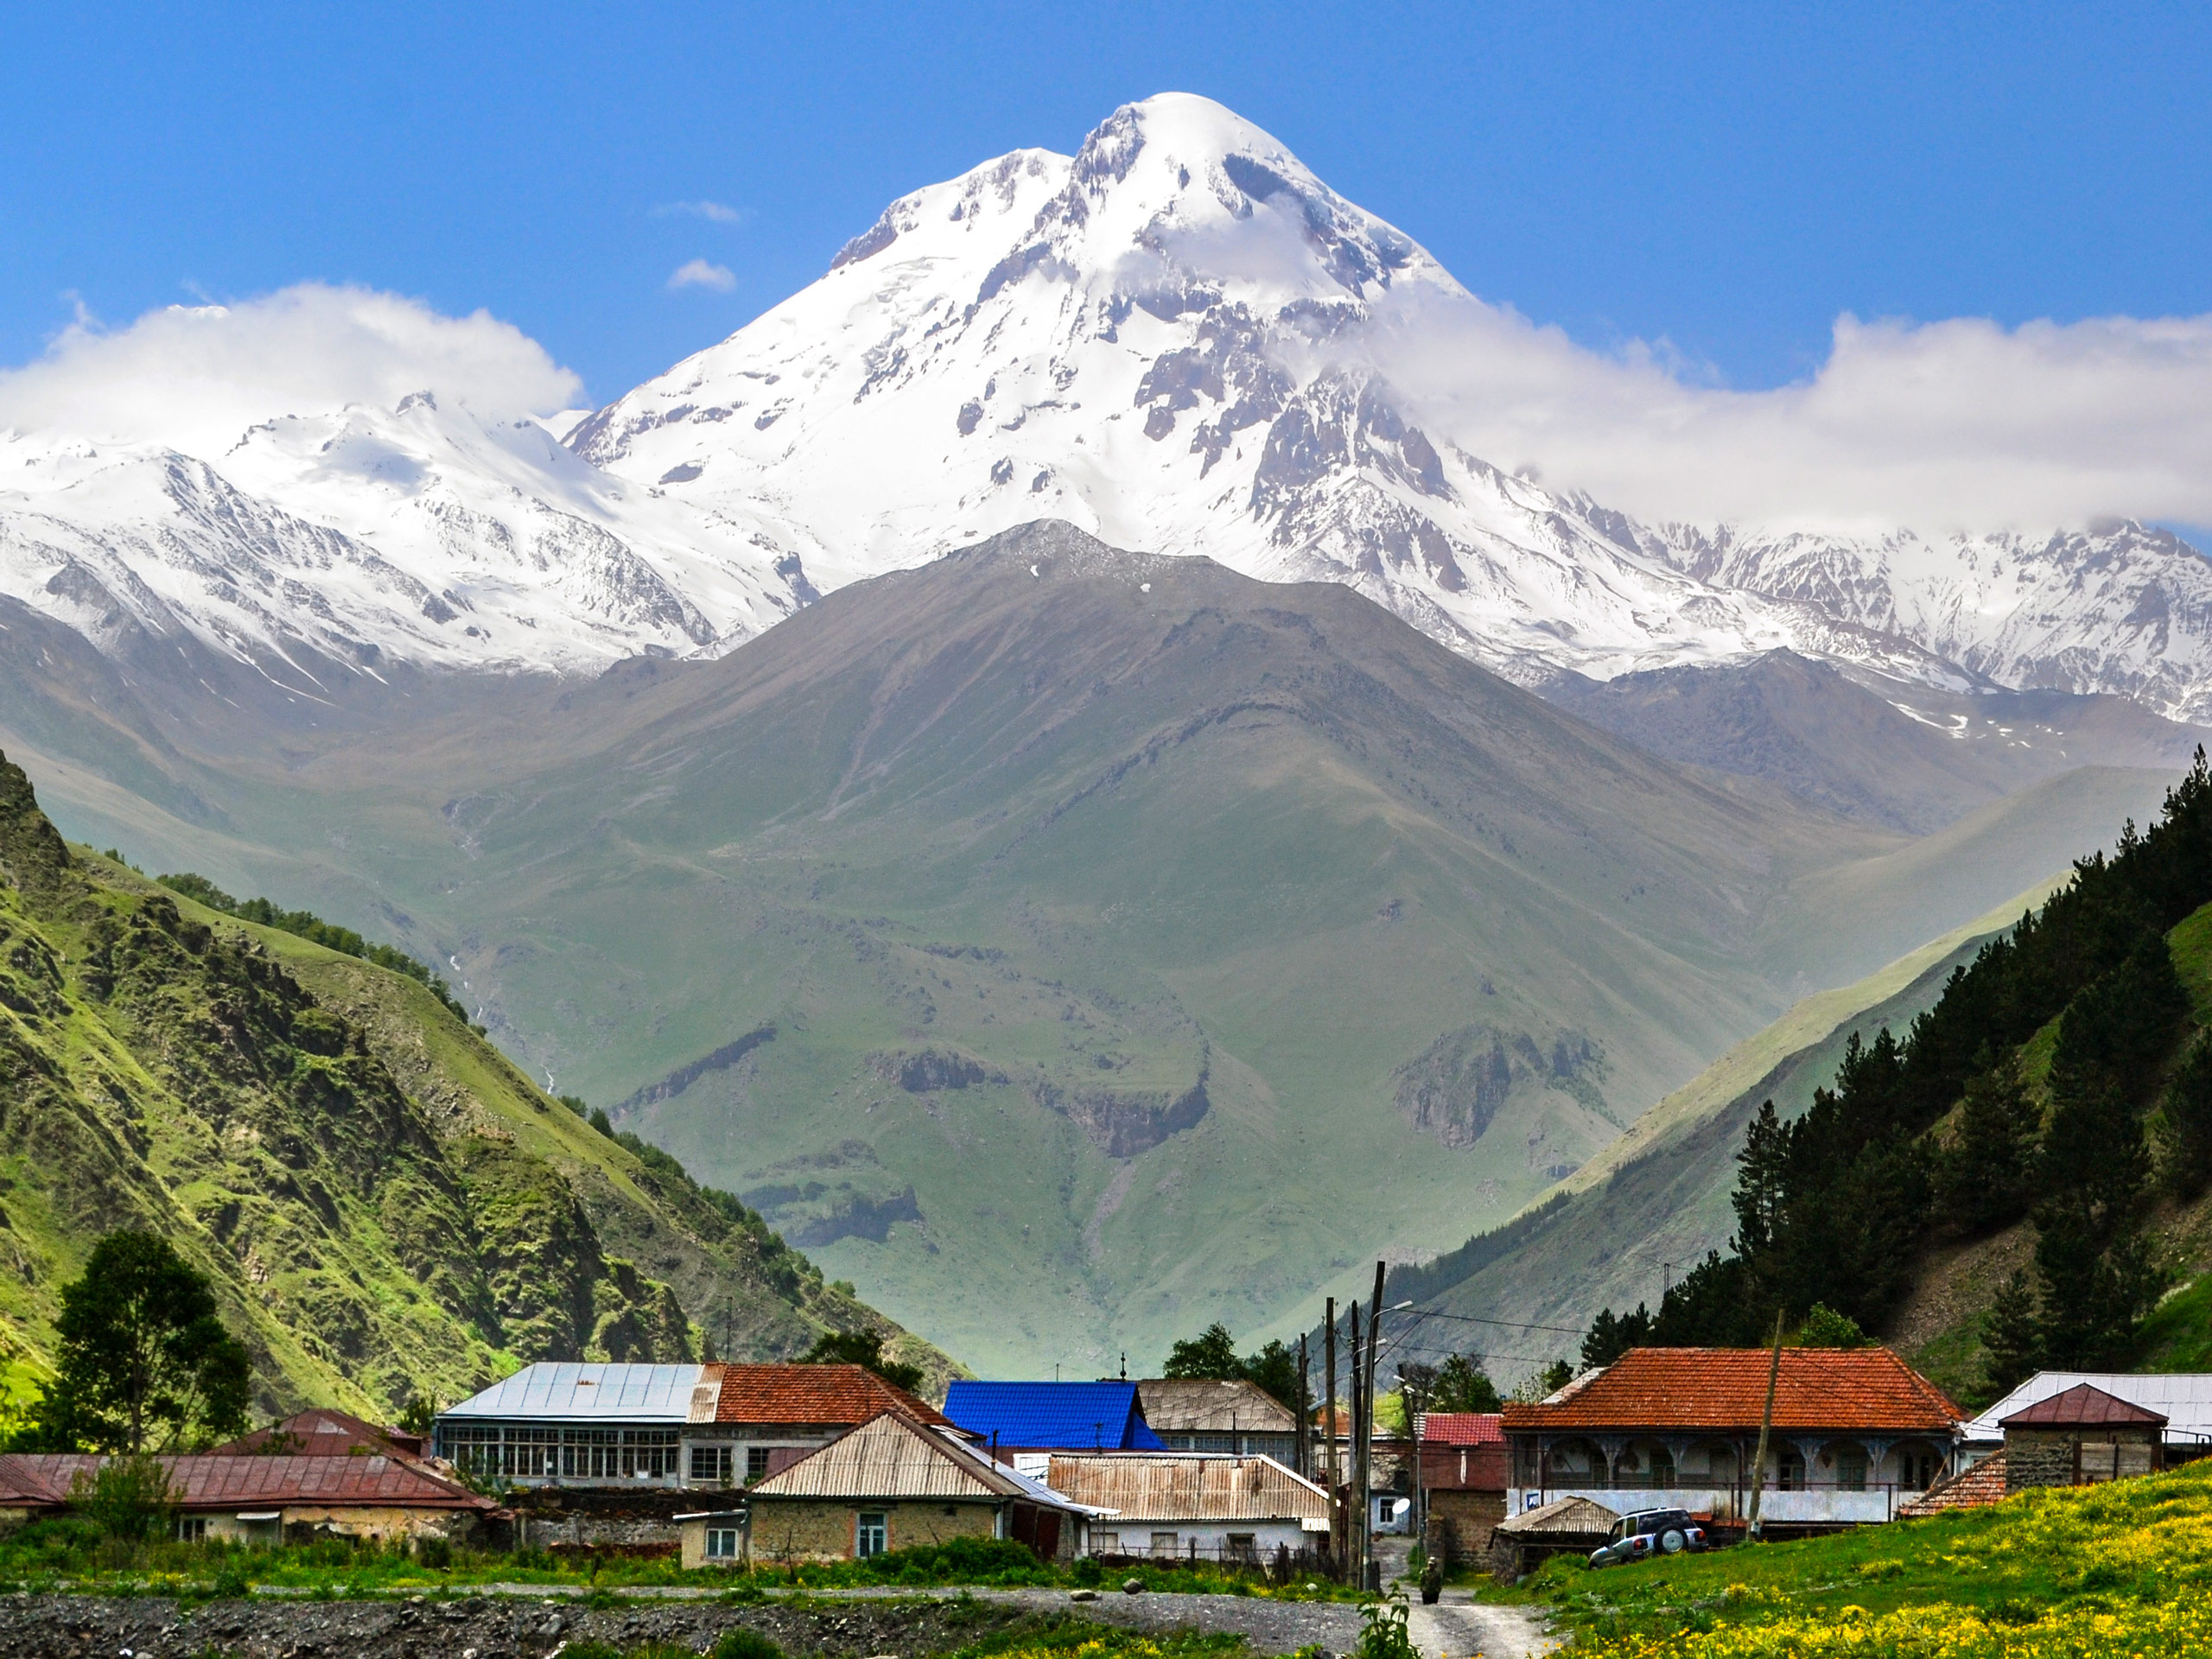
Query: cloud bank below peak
{"points": [[195, 378], [1957, 425]]}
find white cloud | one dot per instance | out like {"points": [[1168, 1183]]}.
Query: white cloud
{"points": [[1961, 424], [697, 273], [714, 212], [195, 377]]}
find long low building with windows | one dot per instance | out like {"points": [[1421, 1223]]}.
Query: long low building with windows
{"points": [[559, 1423]]}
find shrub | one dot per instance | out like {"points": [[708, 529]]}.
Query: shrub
{"points": [[127, 1498], [742, 1643]]}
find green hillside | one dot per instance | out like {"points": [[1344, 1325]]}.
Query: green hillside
{"points": [[2124, 1568], [388, 1208]]}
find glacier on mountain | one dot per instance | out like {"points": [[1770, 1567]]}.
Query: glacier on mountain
{"points": [[1177, 339]]}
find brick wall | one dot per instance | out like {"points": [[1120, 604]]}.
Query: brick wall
{"points": [[1466, 1516], [2060, 1457]]}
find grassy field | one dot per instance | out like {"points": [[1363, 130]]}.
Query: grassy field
{"points": [[2118, 1569], [69, 1553]]}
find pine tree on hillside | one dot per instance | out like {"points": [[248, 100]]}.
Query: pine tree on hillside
{"points": [[2011, 1337], [2184, 1124], [1986, 1180], [2090, 1253]]}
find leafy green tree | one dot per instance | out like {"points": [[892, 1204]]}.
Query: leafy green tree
{"points": [[863, 1348], [143, 1361], [1273, 1370], [1211, 1353], [2185, 1130], [1987, 1180], [1826, 1328], [1463, 1384], [2011, 1337], [129, 1497]]}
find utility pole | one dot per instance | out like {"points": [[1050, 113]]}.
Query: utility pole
{"points": [[1367, 1428], [1766, 1425], [1305, 1411], [1329, 1433], [1355, 1492]]}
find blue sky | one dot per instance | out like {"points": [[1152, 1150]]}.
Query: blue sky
{"points": [[1728, 179]]}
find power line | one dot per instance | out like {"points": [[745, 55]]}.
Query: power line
{"points": [[1511, 1325]]}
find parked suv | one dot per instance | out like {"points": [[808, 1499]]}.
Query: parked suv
{"points": [[1647, 1533]]}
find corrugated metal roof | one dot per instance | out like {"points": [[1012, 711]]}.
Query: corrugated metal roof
{"points": [[2184, 1398], [1572, 1516], [1187, 1486], [1204, 1405], [1052, 1416], [564, 1391], [892, 1457], [207, 1482], [1725, 1389], [2084, 1405]]}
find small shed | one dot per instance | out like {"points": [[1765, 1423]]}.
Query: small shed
{"points": [[2080, 1435], [712, 1537], [1521, 1544], [893, 1483], [1976, 1487], [1196, 1505]]}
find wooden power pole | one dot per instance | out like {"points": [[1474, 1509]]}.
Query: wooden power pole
{"points": [[1766, 1427], [1329, 1435], [1305, 1411]]}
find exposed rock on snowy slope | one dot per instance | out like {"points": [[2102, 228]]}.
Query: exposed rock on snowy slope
{"points": [[1182, 340]]}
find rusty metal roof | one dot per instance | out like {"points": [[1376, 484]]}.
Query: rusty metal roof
{"points": [[1572, 1517], [892, 1456], [1186, 1486], [210, 1482], [1206, 1405], [2084, 1406]]}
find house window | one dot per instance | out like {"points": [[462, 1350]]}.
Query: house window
{"points": [[591, 1454], [1850, 1469], [756, 1464], [710, 1465], [1105, 1543], [1662, 1471], [649, 1453], [721, 1543], [1163, 1543], [191, 1528], [873, 1535], [1243, 1547], [1791, 1469]]}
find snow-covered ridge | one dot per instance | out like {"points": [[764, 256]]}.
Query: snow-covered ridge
{"points": [[1177, 339]]}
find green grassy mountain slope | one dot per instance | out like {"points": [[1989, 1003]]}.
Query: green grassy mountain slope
{"points": [[1068, 946], [387, 1207]]}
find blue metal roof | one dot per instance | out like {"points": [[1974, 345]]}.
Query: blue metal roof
{"points": [[1054, 1416], [567, 1391]]}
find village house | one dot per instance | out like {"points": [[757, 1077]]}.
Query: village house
{"points": [[2078, 1437], [2184, 1399], [1209, 1414], [1856, 1431], [1463, 1478], [260, 1498], [667, 1426], [1190, 1505], [893, 1483], [1105, 1416]]}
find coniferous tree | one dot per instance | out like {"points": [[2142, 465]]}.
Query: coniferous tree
{"points": [[2184, 1128], [1610, 1336], [1986, 1179], [2013, 1338]]}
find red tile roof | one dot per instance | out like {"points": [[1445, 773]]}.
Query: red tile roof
{"points": [[1461, 1427], [835, 1396], [1976, 1489], [1725, 1389], [2083, 1405], [210, 1481]]}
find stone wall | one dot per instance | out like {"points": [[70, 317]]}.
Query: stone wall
{"points": [[1466, 1515], [2065, 1457], [822, 1529]]}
